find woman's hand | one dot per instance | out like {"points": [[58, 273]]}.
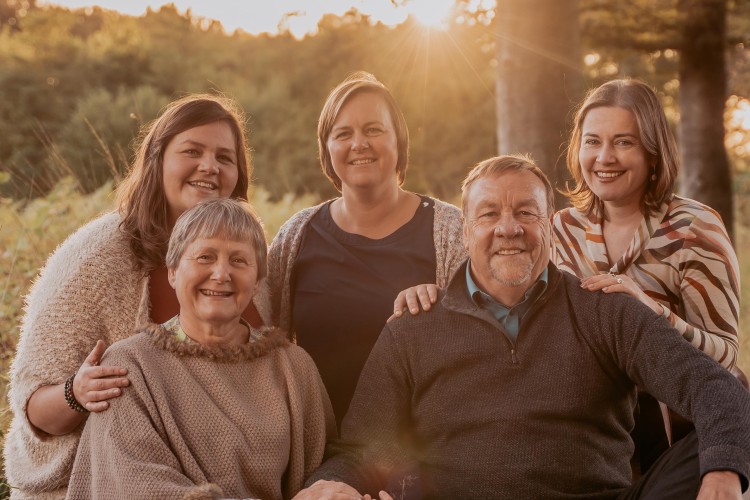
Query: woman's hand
{"points": [[93, 385], [413, 298], [611, 283], [47, 409]]}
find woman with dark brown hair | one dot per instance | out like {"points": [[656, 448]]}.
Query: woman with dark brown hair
{"points": [[109, 278]]}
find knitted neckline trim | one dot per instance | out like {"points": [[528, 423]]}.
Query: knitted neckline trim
{"points": [[266, 340]]}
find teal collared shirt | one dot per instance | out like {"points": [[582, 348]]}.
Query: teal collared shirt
{"points": [[508, 317]]}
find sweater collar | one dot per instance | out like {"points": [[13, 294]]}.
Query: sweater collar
{"points": [[457, 299], [262, 341]]}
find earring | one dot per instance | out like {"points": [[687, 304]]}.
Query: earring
{"points": [[653, 177]]}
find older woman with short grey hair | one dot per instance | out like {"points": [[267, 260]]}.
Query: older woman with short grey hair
{"points": [[217, 408]]}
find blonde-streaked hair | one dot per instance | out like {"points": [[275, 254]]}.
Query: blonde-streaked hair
{"points": [[507, 163], [224, 218], [359, 83], [141, 197], [655, 135]]}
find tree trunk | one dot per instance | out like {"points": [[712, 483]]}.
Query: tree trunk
{"points": [[539, 79], [706, 173]]}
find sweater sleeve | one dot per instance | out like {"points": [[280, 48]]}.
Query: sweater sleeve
{"points": [[371, 450], [63, 320], [655, 357], [709, 290], [125, 453]]}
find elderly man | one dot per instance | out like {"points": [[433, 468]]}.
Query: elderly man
{"points": [[520, 384]]}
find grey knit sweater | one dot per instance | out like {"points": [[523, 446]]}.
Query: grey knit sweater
{"points": [[546, 417]]}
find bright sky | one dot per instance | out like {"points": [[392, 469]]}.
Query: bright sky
{"points": [[256, 16]]}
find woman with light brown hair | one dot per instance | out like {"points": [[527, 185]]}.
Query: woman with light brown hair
{"points": [[628, 233], [107, 279], [335, 268]]}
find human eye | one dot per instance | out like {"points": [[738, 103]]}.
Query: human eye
{"points": [[227, 159], [624, 142], [527, 215], [239, 260], [590, 141], [373, 130], [204, 258], [343, 134]]}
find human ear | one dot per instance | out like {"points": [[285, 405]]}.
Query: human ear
{"points": [[171, 276]]}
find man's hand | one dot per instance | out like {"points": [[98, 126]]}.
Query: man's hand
{"points": [[720, 485], [329, 490]]}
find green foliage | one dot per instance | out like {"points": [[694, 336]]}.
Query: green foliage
{"points": [[83, 81]]}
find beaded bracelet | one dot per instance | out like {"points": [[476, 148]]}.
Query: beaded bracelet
{"points": [[70, 398]]}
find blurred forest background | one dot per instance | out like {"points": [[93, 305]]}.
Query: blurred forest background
{"points": [[77, 85]]}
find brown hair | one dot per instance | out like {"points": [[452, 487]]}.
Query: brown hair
{"points": [[358, 83], [141, 197], [231, 220], [501, 164], [655, 135]]}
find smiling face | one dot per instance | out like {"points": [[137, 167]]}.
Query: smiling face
{"points": [[199, 163], [614, 163], [215, 280], [362, 143], [507, 232]]}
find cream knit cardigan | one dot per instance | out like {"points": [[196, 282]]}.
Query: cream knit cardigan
{"points": [[89, 289], [447, 232]]}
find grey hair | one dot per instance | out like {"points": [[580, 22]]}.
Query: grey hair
{"points": [[230, 219]]}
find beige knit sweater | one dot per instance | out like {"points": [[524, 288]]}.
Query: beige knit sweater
{"points": [[447, 231], [205, 422], [88, 290]]}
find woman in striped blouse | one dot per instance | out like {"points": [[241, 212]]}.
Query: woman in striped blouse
{"points": [[627, 232]]}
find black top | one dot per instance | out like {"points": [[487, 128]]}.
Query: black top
{"points": [[343, 288]]}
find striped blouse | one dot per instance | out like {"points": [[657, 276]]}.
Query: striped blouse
{"points": [[681, 257]]}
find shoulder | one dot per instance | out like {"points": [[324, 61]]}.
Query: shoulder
{"points": [[100, 237], [298, 357], [446, 211], [569, 217], [448, 225], [91, 260], [297, 221], [692, 211], [128, 350]]}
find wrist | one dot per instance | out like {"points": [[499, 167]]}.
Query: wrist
{"points": [[70, 398]]}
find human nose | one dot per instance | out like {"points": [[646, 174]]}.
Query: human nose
{"points": [[209, 165], [605, 155], [360, 142], [220, 271], [508, 227]]}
